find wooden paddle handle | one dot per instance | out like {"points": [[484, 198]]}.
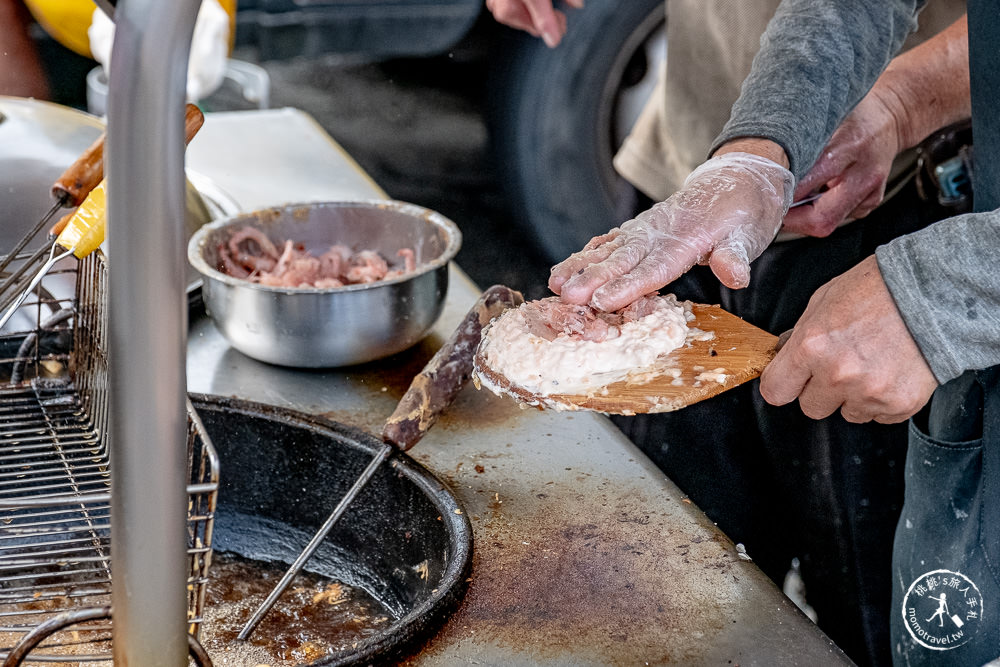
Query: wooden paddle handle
{"points": [[82, 176], [77, 181], [436, 386], [782, 339]]}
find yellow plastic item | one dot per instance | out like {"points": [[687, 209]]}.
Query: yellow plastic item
{"points": [[66, 21], [84, 232]]}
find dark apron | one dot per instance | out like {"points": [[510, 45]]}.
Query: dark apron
{"points": [[946, 554]]}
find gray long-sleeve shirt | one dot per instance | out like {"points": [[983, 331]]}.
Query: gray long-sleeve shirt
{"points": [[818, 58]]}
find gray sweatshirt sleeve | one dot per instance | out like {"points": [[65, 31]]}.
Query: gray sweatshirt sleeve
{"points": [[944, 281], [818, 58]]}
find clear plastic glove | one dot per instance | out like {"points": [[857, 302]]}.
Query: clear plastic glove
{"points": [[539, 18], [728, 211], [854, 167]]}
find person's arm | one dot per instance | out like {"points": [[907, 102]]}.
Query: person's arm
{"points": [[851, 351], [876, 341], [922, 90], [818, 59], [926, 308], [944, 281]]}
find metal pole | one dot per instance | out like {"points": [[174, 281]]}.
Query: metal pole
{"points": [[148, 330]]}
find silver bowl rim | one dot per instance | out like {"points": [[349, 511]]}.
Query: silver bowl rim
{"points": [[452, 232]]}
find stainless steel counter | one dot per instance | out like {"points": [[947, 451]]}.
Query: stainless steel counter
{"points": [[585, 554]]}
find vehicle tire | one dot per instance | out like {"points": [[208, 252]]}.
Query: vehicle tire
{"points": [[556, 118]]}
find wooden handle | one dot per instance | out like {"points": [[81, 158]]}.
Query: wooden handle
{"points": [[446, 373], [782, 339], [193, 120], [75, 184], [85, 168]]}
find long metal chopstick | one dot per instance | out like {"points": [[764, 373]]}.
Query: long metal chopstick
{"points": [[12, 285], [307, 552]]}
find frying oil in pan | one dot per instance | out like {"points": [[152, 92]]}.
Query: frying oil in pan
{"points": [[315, 617]]}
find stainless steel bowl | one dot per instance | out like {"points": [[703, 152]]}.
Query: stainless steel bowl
{"points": [[327, 327]]}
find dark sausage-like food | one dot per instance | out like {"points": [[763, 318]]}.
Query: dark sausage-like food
{"points": [[447, 372]]}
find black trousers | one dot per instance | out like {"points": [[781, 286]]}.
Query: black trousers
{"points": [[827, 492]]}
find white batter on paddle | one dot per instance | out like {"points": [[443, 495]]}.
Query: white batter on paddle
{"points": [[563, 361]]}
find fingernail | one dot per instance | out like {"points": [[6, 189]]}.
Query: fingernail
{"points": [[551, 39]]}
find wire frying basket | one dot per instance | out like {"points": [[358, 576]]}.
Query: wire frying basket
{"points": [[55, 524]]}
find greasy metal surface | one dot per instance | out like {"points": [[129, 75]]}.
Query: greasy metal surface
{"points": [[38, 140], [585, 553]]}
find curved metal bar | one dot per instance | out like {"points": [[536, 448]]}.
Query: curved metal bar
{"points": [[40, 633], [29, 342], [198, 652], [147, 317]]}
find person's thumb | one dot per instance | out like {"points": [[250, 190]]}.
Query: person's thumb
{"points": [[730, 263]]}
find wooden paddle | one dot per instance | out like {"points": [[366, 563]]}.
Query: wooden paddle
{"points": [[737, 353]]}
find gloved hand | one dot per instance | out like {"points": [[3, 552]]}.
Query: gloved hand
{"points": [[727, 212], [536, 17]]}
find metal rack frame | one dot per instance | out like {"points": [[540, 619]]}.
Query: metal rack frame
{"points": [[55, 501]]}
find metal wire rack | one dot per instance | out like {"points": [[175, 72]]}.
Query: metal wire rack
{"points": [[55, 524]]}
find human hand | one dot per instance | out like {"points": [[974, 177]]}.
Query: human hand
{"points": [[854, 167], [727, 212], [538, 18], [851, 351]]}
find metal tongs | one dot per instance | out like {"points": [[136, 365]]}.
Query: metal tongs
{"points": [[69, 191], [78, 233]]}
